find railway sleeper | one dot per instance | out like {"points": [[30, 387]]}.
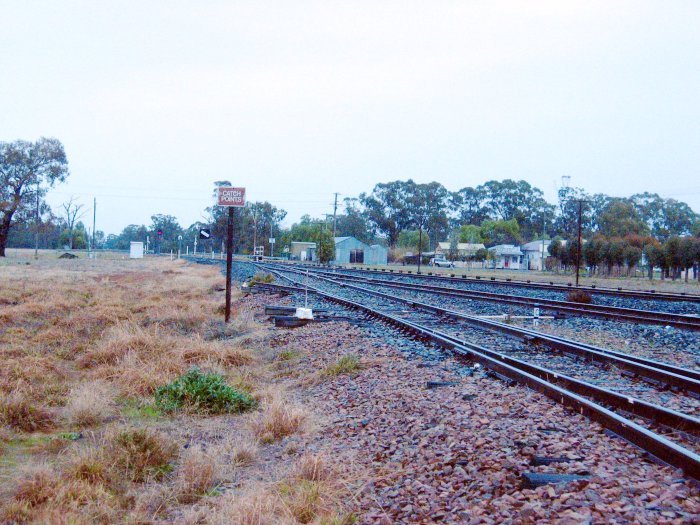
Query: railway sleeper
{"points": [[532, 480], [538, 461]]}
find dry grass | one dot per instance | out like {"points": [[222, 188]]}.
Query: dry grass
{"points": [[82, 344], [140, 454], [198, 473], [222, 353], [312, 495], [239, 450], [312, 467], [89, 463], [19, 411], [279, 418], [90, 404], [260, 506]]}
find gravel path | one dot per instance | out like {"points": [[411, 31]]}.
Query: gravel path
{"points": [[456, 454]]}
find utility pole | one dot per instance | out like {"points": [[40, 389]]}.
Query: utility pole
{"points": [[578, 247], [544, 232], [36, 234], [272, 239], [255, 229], [335, 209], [420, 240], [94, 218]]}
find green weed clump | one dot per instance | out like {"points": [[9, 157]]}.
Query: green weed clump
{"points": [[348, 364], [265, 278], [202, 392]]}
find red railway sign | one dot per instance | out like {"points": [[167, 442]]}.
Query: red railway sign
{"points": [[231, 197]]}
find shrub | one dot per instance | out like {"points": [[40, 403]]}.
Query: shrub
{"points": [[203, 392], [579, 296]]}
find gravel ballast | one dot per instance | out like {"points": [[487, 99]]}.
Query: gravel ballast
{"points": [[458, 452]]}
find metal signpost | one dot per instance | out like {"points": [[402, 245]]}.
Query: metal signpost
{"points": [[231, 198], [272, 246], [205, 235]]}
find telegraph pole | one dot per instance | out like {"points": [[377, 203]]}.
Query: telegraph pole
{"points": [[94, 217], [335, 209], [255, 229], [36, 234], [578, 247], [544, 233], [420, 240]]}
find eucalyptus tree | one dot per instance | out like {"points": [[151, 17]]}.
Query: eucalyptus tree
{"points": [[27, 170]]}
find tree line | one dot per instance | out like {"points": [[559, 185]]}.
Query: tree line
{"points": [[617, 256], [397, 214]]}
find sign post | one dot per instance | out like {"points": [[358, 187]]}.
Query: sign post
{"points": [[231, 198]]}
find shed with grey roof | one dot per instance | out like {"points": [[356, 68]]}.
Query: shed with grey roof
{"points": [[351, 250]]}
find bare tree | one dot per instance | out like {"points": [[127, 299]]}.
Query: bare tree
{"points": [[72, 211]]}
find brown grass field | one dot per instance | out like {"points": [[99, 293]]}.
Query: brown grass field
{"points": [[84, 346]]}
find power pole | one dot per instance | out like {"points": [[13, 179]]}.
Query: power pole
{"points": [[578, 247], [420, 241], [335, 209], [544, 233], [36, 234], [255, 229], [94, 217]]}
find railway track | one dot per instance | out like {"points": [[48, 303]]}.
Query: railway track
{"points": [[650, 294], [434, 324], [681, 321], [653, 371]]}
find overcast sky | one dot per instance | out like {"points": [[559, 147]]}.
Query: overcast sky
{"points": [[295, 100]]}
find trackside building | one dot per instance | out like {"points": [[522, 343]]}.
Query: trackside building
{"points": [[352, 250]]}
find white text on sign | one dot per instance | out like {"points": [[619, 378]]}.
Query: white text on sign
{"points": [[231, 197]]}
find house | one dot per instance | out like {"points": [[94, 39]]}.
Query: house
{"points": [[534, 254], [302, 251], [465, 250], [352, 250], [506, 256]]}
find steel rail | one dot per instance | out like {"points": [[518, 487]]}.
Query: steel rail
{"points": [[638, 367], [632, 315], [659, 446], [642, 408], [664, 416], [619, 292], [694, 374]]}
